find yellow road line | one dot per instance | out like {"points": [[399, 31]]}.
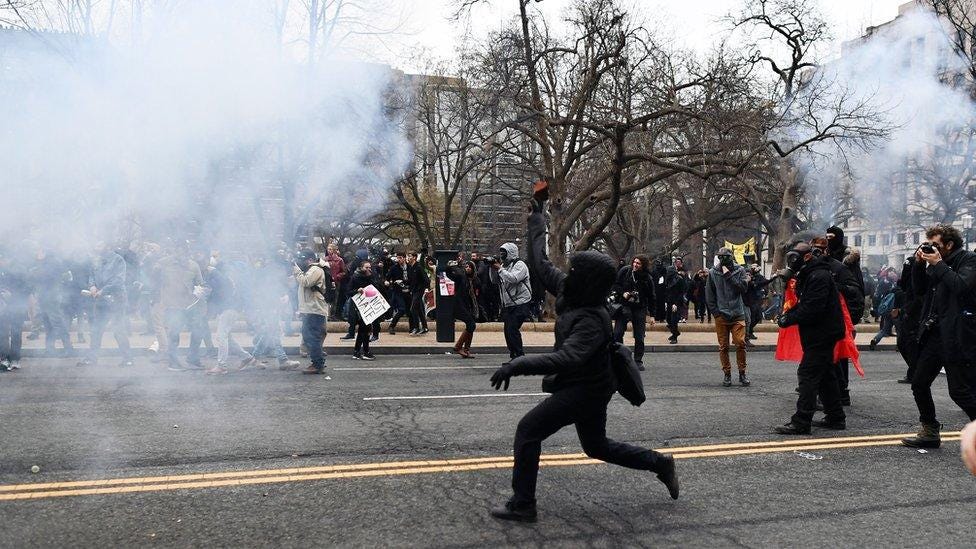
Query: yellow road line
{"points": [[304, 474]]}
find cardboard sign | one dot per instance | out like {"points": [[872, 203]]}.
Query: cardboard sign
{"points": [[371, 304]]}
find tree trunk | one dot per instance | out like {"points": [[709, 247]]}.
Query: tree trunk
{"points": [[787, 215]]}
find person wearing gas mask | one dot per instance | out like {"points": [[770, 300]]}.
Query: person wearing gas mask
{"points": [[944, 276], [852, 288], [633, 292], [820, 319], [723, 291], [578, 375], [837, 248], [512, 276]]}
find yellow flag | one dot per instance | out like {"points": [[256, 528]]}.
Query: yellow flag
{"points": [[740, 251]]}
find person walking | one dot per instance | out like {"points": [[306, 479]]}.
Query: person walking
{"points": [[466, 285], [723, 292], [884, 299], [310, 276], [225, 303], [676, 287], [108, 301], [417, 283], [578, 373], [633, 291]]}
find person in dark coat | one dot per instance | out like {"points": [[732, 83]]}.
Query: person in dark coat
{"points": [[820, 319], [853, 292], [633, 291], [676, 286], [945, 278], [907, 314], [14, 297], [466, 282], [362, 277], [698, 284], [658, 272], [578, 375]]}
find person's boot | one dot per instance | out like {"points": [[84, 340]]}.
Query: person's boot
{"points": [[727, 382], [793, 429], [518, 513], [927, 437], [743, 380], [467, 345], [669, 476], [459, 346], [832, 424]]}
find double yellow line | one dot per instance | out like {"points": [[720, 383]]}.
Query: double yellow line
{"points": [[128, 485]]}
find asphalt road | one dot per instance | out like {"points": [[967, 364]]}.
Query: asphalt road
{"points": [[299, 461]]}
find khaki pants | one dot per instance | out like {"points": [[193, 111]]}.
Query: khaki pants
{"points": [[737, 328]]}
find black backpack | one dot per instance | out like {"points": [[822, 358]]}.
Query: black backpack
{"points": [[629, 382]]}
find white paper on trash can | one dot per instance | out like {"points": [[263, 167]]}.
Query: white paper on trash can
{"points": [[370, 308]]}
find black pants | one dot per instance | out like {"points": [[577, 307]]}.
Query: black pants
{"points": [[513, 318], [817, 374], [755, 317], [672, 318], [907, 343], [637, 316], [418, 314], [961, 378], [588, 411]]}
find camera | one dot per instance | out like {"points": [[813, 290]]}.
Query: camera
{"points": [[927, 247], [492, 259]]}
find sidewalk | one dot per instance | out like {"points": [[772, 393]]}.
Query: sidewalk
{"points": [[488, 339]]}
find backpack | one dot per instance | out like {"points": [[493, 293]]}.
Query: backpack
{"points": [[629, 382], [887, 304]]}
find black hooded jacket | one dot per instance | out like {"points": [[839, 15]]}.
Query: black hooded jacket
{"points": [[580, 355], [851, 286], [817, 311]]}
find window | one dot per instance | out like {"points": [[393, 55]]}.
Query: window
{"points": [[901, 239], [886, 239], [916, 238], [872, 240], [857, 241]]}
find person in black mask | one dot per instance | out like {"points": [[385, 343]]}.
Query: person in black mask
{"points": [[944, 276], [853, 291], [578, 375], [820, 319], [633, 291]]}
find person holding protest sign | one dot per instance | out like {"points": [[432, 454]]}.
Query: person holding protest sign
{"points": [[361, 279]]}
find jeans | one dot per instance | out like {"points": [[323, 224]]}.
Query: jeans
{"points": [[11, 334], [588, 411], [176, 320], [637, 316], [817, 375], [52, 317], [268, 341], [737, 329], [961, 378], [107, 312], [885, 329], [313, 332], [513, 317], [225, 340]]}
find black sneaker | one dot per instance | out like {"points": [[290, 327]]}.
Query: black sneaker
{"points": [[348, 337], [640, 366], [368, 356], [373, 338], [793, 429], [424, 331], [673, 340], [670, 478], [905, 380], [873, 345], [357, 356], [830, 424], [414, 331], [521, 513], [727, 382], [743, 380]]}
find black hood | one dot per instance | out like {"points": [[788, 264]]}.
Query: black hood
{"points": [[591, 275], [837, 243]]}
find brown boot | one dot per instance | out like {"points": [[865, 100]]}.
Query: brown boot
{"points": [[467, 345], [459, 346]]}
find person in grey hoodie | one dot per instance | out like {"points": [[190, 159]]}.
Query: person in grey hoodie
{"points": [[724, 290], [512, 276]]}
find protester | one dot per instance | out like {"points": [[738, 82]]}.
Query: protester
{"points": [[47, 278], [361, 278], [14, 295], [633, 292], [512, 276], [225, 303], [884, 298], [675, 287], [578, 376], [944, 275], [753, 299], [723, 291], [399, 291], [907, 314], [821, 324], [465, 304], [108, 301], [490, 296], [339, 274], [417, 283], [310, 276], [658, 309], [182, 298], [698, 294]]}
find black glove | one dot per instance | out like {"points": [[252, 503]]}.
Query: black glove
{"points": [[783, 321], [502, 376]]}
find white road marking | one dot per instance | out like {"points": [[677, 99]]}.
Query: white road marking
{"points": [[388, 368], [442, 397]]}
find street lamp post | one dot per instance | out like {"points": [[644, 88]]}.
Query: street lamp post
{"points": [[967, 225]]}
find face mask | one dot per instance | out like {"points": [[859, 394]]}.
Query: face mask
{"points": [[794, 261], [503, 254]]}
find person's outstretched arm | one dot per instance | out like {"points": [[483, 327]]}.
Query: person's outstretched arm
{"points": [[541, 268]]}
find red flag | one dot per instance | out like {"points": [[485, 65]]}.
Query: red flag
{"points": [[789, 349]]}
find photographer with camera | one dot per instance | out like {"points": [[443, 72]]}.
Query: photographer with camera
{"points": [[512, 276], [725, 286], [633, 292], [944, 275], [310, 275]]}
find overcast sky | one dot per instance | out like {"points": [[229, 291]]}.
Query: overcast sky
{"points": [[693, 23]]}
